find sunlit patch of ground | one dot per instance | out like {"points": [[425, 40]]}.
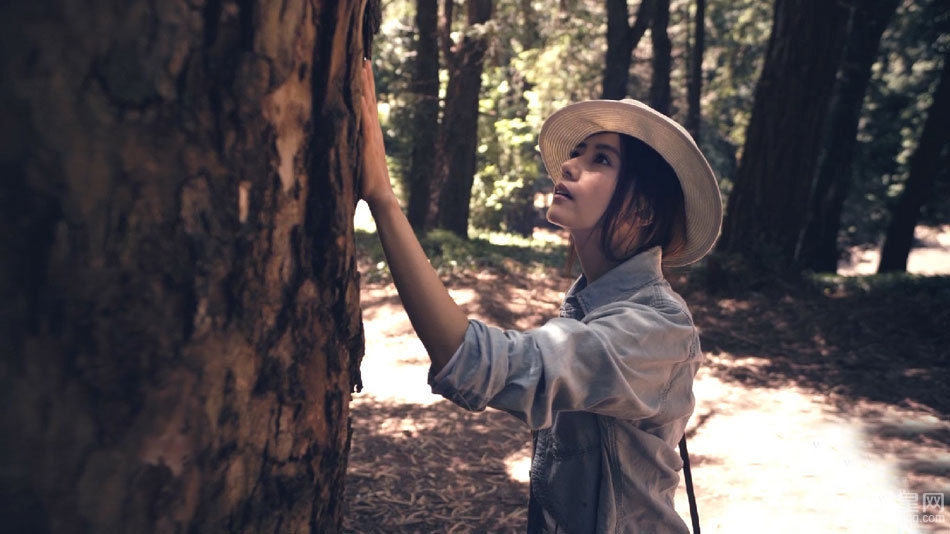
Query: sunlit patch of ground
{"points": [[930, 255], [768, 460]]}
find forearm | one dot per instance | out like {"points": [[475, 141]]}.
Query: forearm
{"points": [[437, 319]]}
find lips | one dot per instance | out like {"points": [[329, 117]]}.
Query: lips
{"points": [[561, 191]]}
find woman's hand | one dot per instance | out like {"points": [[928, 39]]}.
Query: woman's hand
{"points": [[376, 186]]}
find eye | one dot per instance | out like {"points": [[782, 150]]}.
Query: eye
{"points": [[574, 153], [602, 159]]}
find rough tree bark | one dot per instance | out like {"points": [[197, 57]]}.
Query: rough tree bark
{"points": [[818, 243], [459, 133], [660, 98], [180, 297], [622, 39], [767, 207], [425, 113], [930, 157]]}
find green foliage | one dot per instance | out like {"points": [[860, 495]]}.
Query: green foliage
{"points": [[896, 106], [393, 67], [509, 171], [545, 55], [518, 91], [451, 255], [736, 39]]}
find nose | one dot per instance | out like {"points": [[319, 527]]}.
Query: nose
{"points": [[569, 169]]}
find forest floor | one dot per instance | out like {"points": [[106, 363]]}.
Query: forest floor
{"points": [[821, 407]]}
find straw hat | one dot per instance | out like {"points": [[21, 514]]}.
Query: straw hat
{"points": [[570, 125]]}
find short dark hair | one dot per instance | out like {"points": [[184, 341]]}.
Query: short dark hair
{"points": [[648, 192]]}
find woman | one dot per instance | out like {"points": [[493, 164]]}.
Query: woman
{"points": [[607, 386]]}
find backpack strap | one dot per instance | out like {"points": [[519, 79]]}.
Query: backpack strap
{"points": [[693, 511]]}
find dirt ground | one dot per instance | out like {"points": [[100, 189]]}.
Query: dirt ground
{"points": [[817, 415]]}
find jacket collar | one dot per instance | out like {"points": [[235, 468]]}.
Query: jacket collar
{"points": [[624, 279]]}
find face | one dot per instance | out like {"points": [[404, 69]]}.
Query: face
{"points": [[588, 179]]}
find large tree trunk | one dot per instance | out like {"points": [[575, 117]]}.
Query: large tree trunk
{"points": [[818, 244], [622, 39], [660, 98], [767, 206], [425, 114], [180, 303], [694, 85], [929, 159], [459, 136]]}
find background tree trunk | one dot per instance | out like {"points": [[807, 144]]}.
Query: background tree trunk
{"points": [[767, 207], [460, 121], [660, 98], [180, 295], [622, 39], [694, 86], [925, 164], [818, 244], [425, 117]]}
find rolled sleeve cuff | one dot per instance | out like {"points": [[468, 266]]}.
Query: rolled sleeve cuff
{"points": [[455, 380]]}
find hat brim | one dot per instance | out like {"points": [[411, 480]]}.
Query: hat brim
{"points": [[569, 126]]}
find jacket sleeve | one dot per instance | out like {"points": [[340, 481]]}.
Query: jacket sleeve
{"points": [[618, 361]]}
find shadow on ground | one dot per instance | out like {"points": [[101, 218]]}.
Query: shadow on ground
{"points": [[434, 468]]}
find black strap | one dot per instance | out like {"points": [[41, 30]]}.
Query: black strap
{"points": [[693, 511]]}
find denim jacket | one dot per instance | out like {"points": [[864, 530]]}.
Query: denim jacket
{"points": [[607, 387]]}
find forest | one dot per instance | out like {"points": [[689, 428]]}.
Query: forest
{"points": [[826, 123], [200, 329], [815, 117]]}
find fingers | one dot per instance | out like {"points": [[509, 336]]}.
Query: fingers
{"points": [[368, 95], [369, 82], [369, 115], [371, 133]]}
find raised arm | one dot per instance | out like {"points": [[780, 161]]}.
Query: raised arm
{"points": [[437, 319]]}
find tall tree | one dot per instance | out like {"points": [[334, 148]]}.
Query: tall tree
{"points": [[766, 209], [695, 83], [928, 160], [660, 98], [180, 308], [818, 242], [459, 134], [622, 39], [425, 115]]}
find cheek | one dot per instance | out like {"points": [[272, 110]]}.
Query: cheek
{"points": [[595, 207], [604, 195]]}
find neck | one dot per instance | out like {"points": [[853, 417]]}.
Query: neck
{"points": [[593, 259]]}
